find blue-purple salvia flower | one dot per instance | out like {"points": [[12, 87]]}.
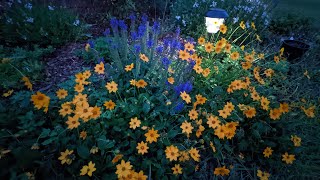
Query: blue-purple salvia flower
{"points": [[141, 30], [166, 42], [156, 27], [134, 35], [137, 48], [178, 32], [159, 49], [187, 87], [122, 25], [144, 18], [132, 17], [101, 59], [91, 43], [114, 23], [106, 32], [149, 43], [166, 62], [179, 107]]}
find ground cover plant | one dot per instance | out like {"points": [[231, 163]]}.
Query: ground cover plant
{"points": [[202, 109]]}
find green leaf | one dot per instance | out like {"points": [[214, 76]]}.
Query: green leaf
{"points": [[83, 151], [146, 107], [104, 143], [48, 141], [45, 133], [172, 133]]}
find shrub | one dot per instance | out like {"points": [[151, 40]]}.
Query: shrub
{"points": [[210, 111], [25, 24]]}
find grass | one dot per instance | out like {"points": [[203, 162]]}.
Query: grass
{"points": [[308, 8]]}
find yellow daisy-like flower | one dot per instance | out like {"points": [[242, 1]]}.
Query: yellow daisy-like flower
{"points": [[27, 82], [129, 67], [80, 99], [112, 87], [194, 153], [152, 136], [201, 41], [144, 58], [234, 56], [117, 158], [134, 123], [242, 25], [83, 135], [206, 72], [94, 150], [141, 83], [88, 169], [186, 127], [263, 175], [62, 93], [296, 140], [73, 122], [223, 29], [41, 101], [189, 47], [176, 169], [133, 82], [208, 47], [142, 148], [171, 80], [172, 153], [99, 68], [213, 121], [267, 152], [109, 104], [78, 88], [66, 157], [193, 114], [8, 93], [185, 97], [123, 169], [288, 158], [184, 55], [221, 171]]}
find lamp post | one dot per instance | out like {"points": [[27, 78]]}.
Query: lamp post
{"points": [[214, 19]]}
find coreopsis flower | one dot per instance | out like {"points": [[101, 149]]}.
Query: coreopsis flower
{"points": [[144, 58], [62, 93], [193, 114], [269, 72], [172, 153], [267, 152], [275, 114], [80, 79], [152, 136], [234, 56], [263, 175], [224, 113], [184, 55], [208, 47], [35, 146], [84, 110], [189, 47], [201, 41], [110, 105], [194, 153], [206, 72], [296, 140], [86, 74], [133, 82], [83, 135], [186, 127], [117, 158], [213, 121], [249, 58], [88, 169], [264, 103], [284, 107], [65, 109], [200, 99], [78, 88], [123, 169], [246, 65], [94, 150], [217, 49], [250, 112], [142, 148], [80, 99], [87, 47], [41, 101], [66, 157], [96, 112], [276, 59], [27, 82], [8, 93], [99, 68], [184, 156], [73, 122], [229, 107], [223, 29], [242, 25], [199, 131], [185, 97], [129, 67], [112, 87], [310, 112], [221, 171], [134, 123], [227, 48], [258, 38], [220, 132], [288, 158], [255, 96], [261, 56], [176, 169], [170, 80], [198, 69], [141, 83]]}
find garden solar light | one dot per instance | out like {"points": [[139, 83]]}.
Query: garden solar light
{"points": [[214, 19]]}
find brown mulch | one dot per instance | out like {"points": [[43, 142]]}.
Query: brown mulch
{"points": [[62, 64]]}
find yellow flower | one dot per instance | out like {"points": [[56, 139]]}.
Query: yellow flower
{"points": [[185, 97], [250, 112], [184, 55], [88, 169], [134, 123], [223, 29], [242, 25], [129, 67], [83, 135], [152, 135], [176, 169], [275, 114], [188, 46], [206, 72], [264, 103], [212, 147], [73, 122], [213, 121], [133, 82], [253, 26], [193, 114], [242, 47], [27, 82], [172, 153], [142, 147], [201, 41], [258, 38], [284, 107], [309, 111], [171, 80], [267, 152], [200, 99], [141, 83], [208, 47], [112, 87], [198, 69], [99, 68], [84, 110], [261, 56], [123, 169], [276, 59], [221, 171], [94, 150], [96, 112], [87, 47], [62, 93], [78, 88], [117, 158], [144, 58], [8, 93], [141, 176], [263, 175], [66, 157], [194, 153], [109, 104], [234, 55], [296, 140], [224, 113], [186, 127], [288, 158], [246, 65], [41, 101]]}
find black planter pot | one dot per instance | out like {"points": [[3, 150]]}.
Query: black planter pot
{"points": [[294, 49]]}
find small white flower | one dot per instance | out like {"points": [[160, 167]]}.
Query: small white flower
{"points": [[291, 38], [235, 20], [184, 22], [30, 20], [76, 22], [9, 20], [214, 4], [247, 24], [50, 8], [178, 17], [195, 5], [28, 6]]}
